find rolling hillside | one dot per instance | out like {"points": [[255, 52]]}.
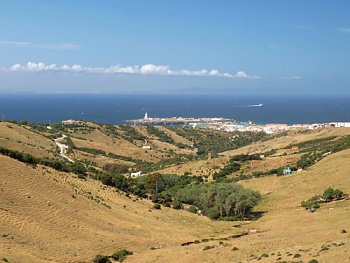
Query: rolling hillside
{"points": [[53, 216]]}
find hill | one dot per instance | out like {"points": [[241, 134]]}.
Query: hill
{"points": [[48, 215]]}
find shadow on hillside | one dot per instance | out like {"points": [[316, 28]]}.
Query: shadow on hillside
{"points": [[253, 216]]}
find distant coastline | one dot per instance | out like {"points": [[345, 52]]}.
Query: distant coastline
{"points": [[117, 108]]}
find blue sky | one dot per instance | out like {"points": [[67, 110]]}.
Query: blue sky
{"points": [[275, 46]]}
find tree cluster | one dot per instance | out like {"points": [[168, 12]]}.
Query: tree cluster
{"points": [[76, 167], [130, 133], [162, 136], [219, 199], [329, 195]]}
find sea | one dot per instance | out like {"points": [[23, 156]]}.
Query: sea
{"points": [[117, 108]]}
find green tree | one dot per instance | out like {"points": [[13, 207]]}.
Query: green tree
{"points": [[78, 168], [328, 194], [101, 259], [121, 255], [154, 181]]}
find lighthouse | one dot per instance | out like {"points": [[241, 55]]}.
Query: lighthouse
{"points": [[146, 116]]}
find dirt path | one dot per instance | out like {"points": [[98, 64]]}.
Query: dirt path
{"points": [[63, 148]]}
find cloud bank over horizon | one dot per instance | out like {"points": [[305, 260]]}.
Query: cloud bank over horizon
{"points": [[147, 69]]}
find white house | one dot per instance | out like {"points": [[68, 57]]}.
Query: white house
{"points": [[135, 174], [68, 122]]}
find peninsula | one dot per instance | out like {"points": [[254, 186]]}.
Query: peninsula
{"points": [[178, 120]]}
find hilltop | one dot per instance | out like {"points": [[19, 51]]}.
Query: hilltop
{"points": [[52, 215]]}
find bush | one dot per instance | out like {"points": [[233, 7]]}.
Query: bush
{"points": [[208, 247], [310, 204], [192, 209], [101, 259], [212, 213], [121, 255], [313, 261], [177, 205], [156, 206], [328, 193]]}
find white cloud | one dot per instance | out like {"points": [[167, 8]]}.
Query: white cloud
{"points": [[153, 69], [16, 67], [147, 69], [37, 66], [14, 43], [344, 29], [36, 45], [65, 67], [241, 74], [293, 77], [77, 68], [52, 67], [120, 69], [57, 46], [227, 75], [214, 72]]}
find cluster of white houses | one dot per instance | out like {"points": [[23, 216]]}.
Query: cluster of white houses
{"points": [[273, 127]]}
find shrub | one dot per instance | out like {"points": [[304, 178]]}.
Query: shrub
{"points": [[310, 204], [313, 261], [212, 213], [208, 247], [121, 255], [156, 206], [328, 193], [101, 259], [177, 205], [192, 209], [324, 248]]}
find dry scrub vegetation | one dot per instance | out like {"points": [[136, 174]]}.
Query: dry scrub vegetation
{"points": [[53, 216]]}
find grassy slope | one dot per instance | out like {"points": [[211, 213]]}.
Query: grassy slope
{"points": [[74, 230], [15, 137]]}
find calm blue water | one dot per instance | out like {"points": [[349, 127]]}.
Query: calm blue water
{"points": [[116, 108]]}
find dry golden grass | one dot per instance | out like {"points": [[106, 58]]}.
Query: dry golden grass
{"points": [[76, 229], [290, 227], [15, 137], [293, 137], [100, 141], [201, 167], [174, 136]]}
